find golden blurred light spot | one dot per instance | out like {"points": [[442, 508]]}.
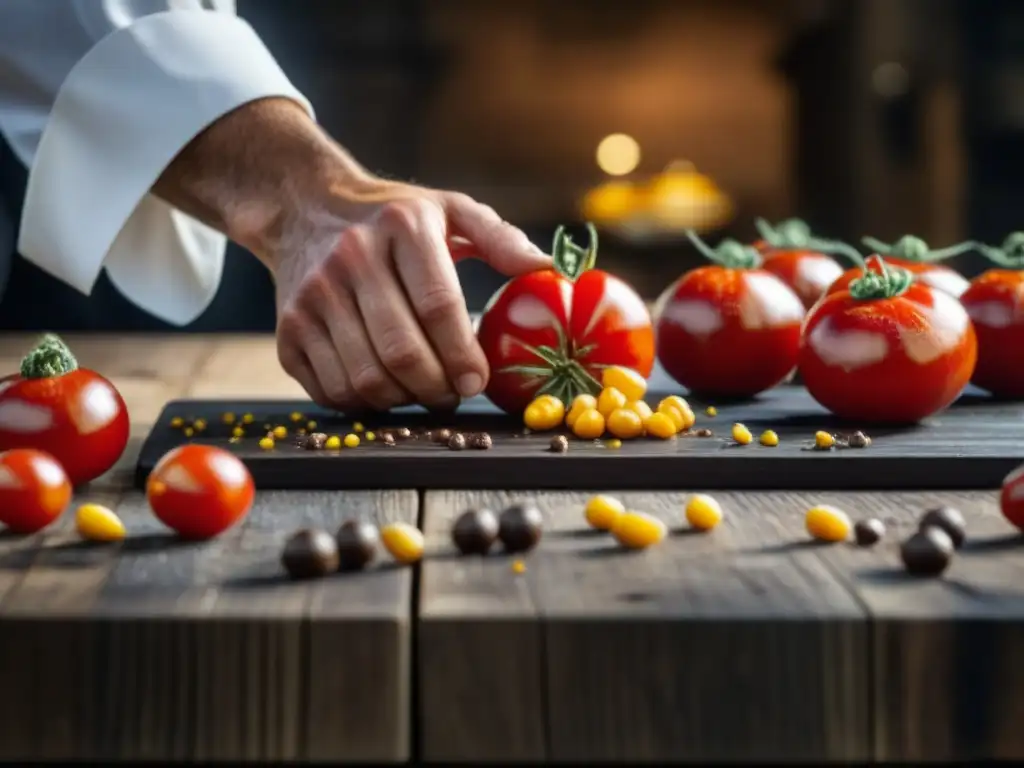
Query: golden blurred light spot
{"points": [[618, 154]]}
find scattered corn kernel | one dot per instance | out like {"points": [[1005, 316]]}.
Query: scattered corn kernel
{"points": [[609, 400], [280, 432], [826, 523], [403, 542], [676, 416], [550, 399], [661, 425], [675, 401], [248, 418], [711, 411], [769, 438], [351, 440], [199, 425], [332, 443], [310, 425], [267, 443], [358, 427], [228, 418], [703, 512], [177, 422], [638, 530], [370, 436], [518, 567], [589, 425], [741, 435], [823, 440], [580, 403], [613, 443], [686, 416], [296, 416], [544, 413], [97, 523], [238, 432], [602, 511], [625, 423], [626, 380], [188, 431], [641, 409]]}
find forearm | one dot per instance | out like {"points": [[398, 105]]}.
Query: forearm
{"points": [[256, 170]]}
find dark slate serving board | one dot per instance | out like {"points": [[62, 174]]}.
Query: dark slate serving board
{"points": [[973, 445]]}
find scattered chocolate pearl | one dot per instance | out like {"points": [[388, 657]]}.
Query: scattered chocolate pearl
{"points": [[475, 531], [858, 440], [357, 544], [457, 442], [704, 432], [520, 527], [928, 552], [559, 444], [868, 532], [442, 436], [387, 438], [316, 441], [403, 433], [481, 441], [310, 554], [950, 520]]}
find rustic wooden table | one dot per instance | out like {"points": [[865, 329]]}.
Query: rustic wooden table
{"points": [[747, 644]]}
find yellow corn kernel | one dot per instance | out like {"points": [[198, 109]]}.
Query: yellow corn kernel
{"points": [[769, 438], [589, 425], [332, 443], [228, 418], [518, 567], [580, 403], [827, 523], [310, 425], [403, 542], [661, 425], [267, 443], [602, 511], [741, 435], [676, 402], [199, 425], [238, 432], [97, 523], [609, 400], [370, 436], [358, 427], [823, 440], [177, 422], [280, 433], [613, 443], [641, 409], [351, 440], [711, 411], [703, 512], [629, 382], [638, 530], [248, 418], [296, 416], [625, 423], [544, 413], [188, 431]]}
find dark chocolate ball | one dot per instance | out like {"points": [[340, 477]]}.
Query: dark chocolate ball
{"points": [[475, 531], [357, 544], [950, 520], [559, 444], [868, 532], [927, 552], [520, 527], [310, 553]]}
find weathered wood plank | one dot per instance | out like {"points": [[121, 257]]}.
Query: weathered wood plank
{"points": [[244, 366], [947, 671], [160, 649], [736, 645]]}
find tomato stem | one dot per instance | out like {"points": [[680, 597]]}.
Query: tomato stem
{"points": [[910, 248], [729, 253], [558, 370], [50, 358], [1009, 255], [890, 282], [788, 234], [570, 259]]}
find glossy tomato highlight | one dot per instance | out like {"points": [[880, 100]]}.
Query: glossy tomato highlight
{"points": [[789, 252], [887, 350], [995, 303], [34, 490], [913, 255], [72, 413], [555, 330], [729, 328], [200, 491]]}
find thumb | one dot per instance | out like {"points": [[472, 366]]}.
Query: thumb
{"points": [[504, 247]]}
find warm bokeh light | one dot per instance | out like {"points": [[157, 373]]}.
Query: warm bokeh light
{"points": [[618, 154]]}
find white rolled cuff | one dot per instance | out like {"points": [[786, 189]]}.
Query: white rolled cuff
{"points": [[124, 112]]}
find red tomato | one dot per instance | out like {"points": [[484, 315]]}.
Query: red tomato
{"points": [[995, 303], [729, 330], [34, 490], [893, 356], [553, 331], [1011, 498], [199, 491], [72, 413], [792, 254], [935, 275]]}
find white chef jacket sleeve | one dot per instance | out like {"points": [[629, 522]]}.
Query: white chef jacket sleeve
{"points": [[122, 114]]}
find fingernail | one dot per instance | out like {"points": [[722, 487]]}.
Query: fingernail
{"points": [[469, 384]]}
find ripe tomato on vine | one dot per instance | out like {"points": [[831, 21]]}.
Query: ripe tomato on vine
{"points": [[791, 252], [915, 256], [553, 331]]}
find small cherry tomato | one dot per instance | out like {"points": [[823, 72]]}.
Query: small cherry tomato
{"points": [[731, 328], [199, 491], [71, 413], [34, 489], [887, 350], [789, 254], [1011, 498], [555, 330], [912, 254]]}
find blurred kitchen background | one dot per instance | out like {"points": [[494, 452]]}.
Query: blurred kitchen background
{"points": [[879, 117]]}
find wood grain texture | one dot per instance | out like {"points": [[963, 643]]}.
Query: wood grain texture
{"points": [[244, 366], [159, 649], [947, 669], [734, 645]]}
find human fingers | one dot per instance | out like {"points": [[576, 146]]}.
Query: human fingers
{"points": [[292, 332], [503, 246], [364, 257]]}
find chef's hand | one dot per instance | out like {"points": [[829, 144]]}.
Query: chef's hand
{"points": [[370, 311]]}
